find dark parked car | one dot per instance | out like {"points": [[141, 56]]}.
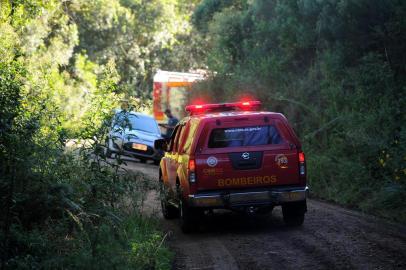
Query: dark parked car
{"points": [[134, 134]]}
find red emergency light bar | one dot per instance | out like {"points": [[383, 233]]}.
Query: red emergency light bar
{"points": [[221, 107]]}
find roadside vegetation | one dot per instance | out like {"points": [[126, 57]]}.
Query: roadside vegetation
{"points": [[64, 66], [336, 69]]}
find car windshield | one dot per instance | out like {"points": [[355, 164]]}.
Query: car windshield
{"points": [[136, 122], [244, 136]]}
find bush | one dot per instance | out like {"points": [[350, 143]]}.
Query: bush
{"points": [[67, 209], [337, 71]]}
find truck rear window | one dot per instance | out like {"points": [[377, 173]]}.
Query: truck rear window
{"points": [[244, 136]]}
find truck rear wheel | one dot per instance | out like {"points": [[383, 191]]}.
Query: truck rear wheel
{"points": [[293, 213], [168, 210], [188, 217]]}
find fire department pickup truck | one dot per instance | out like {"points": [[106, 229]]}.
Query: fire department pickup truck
{"points": [[232, 156]]}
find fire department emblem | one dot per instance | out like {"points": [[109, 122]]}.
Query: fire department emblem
{"points": [[212, 161], [282, 161]]}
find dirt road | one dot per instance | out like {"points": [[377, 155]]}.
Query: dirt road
{"points": [[331, 238]]}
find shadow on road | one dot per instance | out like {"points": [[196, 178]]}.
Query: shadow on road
{"points": [[222, 221]]}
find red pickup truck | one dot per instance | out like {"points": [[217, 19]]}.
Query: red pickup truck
{"points": [[232, 156]]}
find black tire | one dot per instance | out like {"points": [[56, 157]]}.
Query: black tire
{"points": [[187, 217], [143, 160], [168, 210], [293, 213], [156, 162]]}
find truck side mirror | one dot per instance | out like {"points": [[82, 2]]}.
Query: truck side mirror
{"points": [[161, 144]]}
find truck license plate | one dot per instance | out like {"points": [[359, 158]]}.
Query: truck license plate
{"points": [[293, 196]]}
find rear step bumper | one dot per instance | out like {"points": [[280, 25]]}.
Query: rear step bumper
{"points": [[274, 196]]}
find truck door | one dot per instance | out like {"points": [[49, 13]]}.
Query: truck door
{"points": [[173, 156]]}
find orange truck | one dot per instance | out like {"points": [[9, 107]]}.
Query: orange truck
{"points": [[171, 91]]}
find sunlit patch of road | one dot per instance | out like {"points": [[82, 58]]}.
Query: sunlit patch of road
{"points": [[134, 165]]}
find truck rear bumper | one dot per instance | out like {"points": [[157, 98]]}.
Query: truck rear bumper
{"points": [[226, 199]]}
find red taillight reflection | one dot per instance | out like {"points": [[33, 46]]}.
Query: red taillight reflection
{"points": [[301, 157], [192, 168]]}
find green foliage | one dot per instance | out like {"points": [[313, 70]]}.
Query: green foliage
{"points": [[145, 244], [141, 37], [64, 208], [336, 69], [205, 11]]}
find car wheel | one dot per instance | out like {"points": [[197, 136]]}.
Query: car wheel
{"points": [[293, 213], [168, 210], [143, 160], [156, 162]]}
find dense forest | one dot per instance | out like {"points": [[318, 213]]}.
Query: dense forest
{"points": [[336, 69]]}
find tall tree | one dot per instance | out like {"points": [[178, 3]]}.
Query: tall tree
{"points": [[337, 70]]}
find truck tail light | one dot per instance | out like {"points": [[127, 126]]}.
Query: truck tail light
{"points": [[192, 171], [302, 164], [301, 157]]}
